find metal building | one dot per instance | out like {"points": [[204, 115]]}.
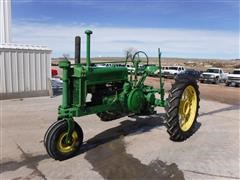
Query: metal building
{"points": [[5, 21], [24, 69]]}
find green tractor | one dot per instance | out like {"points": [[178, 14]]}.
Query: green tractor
{"points": [[113, 93]]}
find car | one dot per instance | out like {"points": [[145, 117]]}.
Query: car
{"points": [[172, 71], [54, 72], [130, 68], [100, 65], [118, 65], [108, 65], [157, 71], [233, 78], [57, 86], [213, 75]]}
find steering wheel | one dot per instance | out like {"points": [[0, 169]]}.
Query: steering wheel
{"points": [[137, 60]]}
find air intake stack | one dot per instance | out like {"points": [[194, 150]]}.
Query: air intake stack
{"points": [[77, 50], [88, 33]]}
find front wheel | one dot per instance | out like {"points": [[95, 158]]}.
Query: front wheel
{"points": [[217, 81], [182, 109], [55, 140]]}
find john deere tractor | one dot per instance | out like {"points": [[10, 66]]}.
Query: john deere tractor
{"points": [[110, 93]]}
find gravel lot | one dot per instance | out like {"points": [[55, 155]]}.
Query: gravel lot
{"points": [[126, 148], [214, 92]]}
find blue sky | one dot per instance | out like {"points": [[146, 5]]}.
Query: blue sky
{"points": [[203, 29]]}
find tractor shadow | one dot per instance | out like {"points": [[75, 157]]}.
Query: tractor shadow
{"points": [[127, 127], [229, 108], [107, 153]]}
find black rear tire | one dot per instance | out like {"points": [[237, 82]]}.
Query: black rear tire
{"points": [[55, 144], [172, 109]]}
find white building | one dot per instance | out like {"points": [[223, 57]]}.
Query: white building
{"points": [[5, 21], [24, 69]]}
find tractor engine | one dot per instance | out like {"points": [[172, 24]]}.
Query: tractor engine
{"points": [[110, 90]]}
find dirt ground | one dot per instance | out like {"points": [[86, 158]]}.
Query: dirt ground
{"points": [[219, 92]]}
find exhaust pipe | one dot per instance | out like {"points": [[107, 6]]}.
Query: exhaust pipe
{"points": [[77, 50], [88, 61]]}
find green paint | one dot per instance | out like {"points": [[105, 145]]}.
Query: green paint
{"points": [[136, 100], [65, 98], [160, 76], [88, 33], [111, 89]]}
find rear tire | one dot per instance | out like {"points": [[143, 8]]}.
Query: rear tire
{"points": [[55, 143], [181, 114]]}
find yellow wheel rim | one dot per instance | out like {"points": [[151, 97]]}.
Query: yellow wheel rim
{"points": [[64, 147], [187, 108]]}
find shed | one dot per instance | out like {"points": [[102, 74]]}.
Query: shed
{"points": [[24, 70]]}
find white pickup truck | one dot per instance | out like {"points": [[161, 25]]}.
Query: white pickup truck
{"points": [[213, 75], [130, 68], [172, 71], [233, 78]]}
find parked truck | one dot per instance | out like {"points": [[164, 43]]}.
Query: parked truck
{"points": [[172, 71], [213, 75], [233, 78]]}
